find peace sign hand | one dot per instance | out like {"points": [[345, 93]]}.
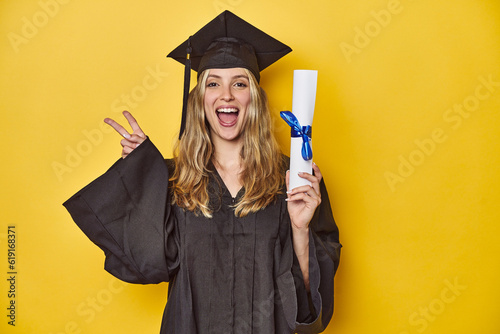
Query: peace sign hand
{"points": [[131, 141]]}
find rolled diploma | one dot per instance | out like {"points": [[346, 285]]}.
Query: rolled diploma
{"points": [[304, 99]]}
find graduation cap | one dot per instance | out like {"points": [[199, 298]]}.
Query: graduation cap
{"points": [[226, 42]]}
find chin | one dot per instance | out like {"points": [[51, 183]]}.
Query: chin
{"points": [[230, 136]]}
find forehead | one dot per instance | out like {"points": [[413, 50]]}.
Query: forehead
{"points": [[227, 72]]}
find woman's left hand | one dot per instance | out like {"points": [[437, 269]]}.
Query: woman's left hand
{"points": [[303, 200]]}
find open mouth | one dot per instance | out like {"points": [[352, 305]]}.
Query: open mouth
{"points": [[227, 116]]}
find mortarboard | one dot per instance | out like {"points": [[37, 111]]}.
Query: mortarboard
{"points": [[226, 42]]}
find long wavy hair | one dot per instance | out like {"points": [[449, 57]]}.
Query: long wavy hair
{"points": [[263, 165]]}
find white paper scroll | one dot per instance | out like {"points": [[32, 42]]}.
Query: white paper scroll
{"points": [[304, 98]]}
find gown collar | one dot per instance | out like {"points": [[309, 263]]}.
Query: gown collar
{"points": [[218, 185]]}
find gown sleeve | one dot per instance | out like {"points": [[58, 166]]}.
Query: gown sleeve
{"points": [[315, 308], [126, 213]]}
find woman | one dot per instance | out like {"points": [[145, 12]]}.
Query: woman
{"points": [[241, 254]]}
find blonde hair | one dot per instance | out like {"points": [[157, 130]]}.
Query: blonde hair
{"points": [[262, 161]]}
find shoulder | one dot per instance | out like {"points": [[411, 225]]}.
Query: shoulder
{"points": [[170, 165]]}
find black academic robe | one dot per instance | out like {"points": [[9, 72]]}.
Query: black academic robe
{"points": [[226, 274]]}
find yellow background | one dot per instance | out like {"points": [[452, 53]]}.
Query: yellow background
{"points": [[414, 184]]}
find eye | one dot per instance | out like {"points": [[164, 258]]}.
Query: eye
{"points": [[240, 84], [212, 84]]}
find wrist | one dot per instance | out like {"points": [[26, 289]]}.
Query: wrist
{"points": [[301, 240], [300, 229]]}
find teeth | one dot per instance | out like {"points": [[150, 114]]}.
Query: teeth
{"points": [[227, 110]]}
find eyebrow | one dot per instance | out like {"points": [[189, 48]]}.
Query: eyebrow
{"points": [[234, 77]]}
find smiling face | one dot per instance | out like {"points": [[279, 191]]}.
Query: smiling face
{"points": [[226, 102]]}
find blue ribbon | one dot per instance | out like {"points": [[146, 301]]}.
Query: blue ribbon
{"points": [[299, 131]]}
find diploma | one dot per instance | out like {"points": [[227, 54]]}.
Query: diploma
{"points": [[300, 120]]}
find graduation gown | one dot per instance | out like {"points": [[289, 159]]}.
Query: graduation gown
{"points": [[226, 274]]}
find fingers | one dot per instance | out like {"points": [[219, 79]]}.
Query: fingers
{"points": [[126, 151], [317, 172], [306, 195], [311, 178], [131, 140], [315, 178], [307, 190], [137, 135], [133, 123], [118, 128], [312, 191], [136, 130]]}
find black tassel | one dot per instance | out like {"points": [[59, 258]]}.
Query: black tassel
{"points": [[187, 83]]}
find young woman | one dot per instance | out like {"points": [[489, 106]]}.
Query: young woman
{"points": [[240, 253]]}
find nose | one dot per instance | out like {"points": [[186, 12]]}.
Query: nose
{"points": [[227, 94]]}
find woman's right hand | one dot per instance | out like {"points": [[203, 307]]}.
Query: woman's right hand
{"points": [[130, 141]]}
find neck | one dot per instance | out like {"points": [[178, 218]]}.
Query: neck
{"points": [[227, 153], [227, 160]]}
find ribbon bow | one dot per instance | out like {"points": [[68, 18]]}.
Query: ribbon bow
{"points": [[299, 131]]}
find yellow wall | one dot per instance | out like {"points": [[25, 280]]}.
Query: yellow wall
{"points": [[405, 131]]}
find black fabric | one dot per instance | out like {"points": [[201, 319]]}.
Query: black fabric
{"points": [[264, 48], [230, 52], [225, 274]]}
